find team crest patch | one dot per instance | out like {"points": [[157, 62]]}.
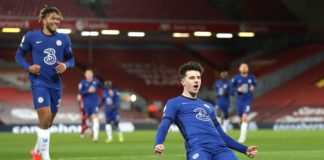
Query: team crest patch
{"points": [[58, 42], [40, 99], [195, 156]]}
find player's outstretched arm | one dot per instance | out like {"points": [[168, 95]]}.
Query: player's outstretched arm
{"points": [[161, 135], [231, 143]]}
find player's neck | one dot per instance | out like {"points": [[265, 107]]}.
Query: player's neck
{"points": [[244, 74], [189, 95], [89, 79], [47, 32]]}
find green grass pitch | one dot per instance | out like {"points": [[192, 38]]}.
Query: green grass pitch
{"points": [[279, 145]]}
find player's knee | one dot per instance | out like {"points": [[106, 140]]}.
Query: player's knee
{"points": [[45, 123], [244, 118]]}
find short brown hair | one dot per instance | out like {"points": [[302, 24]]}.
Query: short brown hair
{"points": [[47, 10], [189, 66]]}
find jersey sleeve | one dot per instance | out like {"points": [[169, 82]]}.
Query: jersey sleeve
{"points": [[116, 102], [68, 56], [213, 113], [99, 84], [230, 88], [234, 84], [230, 143], [82, 89], [169, 114], [26, 43], [170, 111], [254, 80], [24, 48], [103, 99]]}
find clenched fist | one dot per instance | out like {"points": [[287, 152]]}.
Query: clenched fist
{"points": [[159, 149], [34, 69]]}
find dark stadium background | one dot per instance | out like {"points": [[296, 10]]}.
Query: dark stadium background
{"points": [[286, 54]]}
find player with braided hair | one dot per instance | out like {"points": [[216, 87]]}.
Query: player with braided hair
{"points": [[51, 56]]}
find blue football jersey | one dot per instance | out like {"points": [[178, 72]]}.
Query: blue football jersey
{"points": [[195, 119], [245, 82], [111, 98], [223, 90], [46, 51], [90, 98]]}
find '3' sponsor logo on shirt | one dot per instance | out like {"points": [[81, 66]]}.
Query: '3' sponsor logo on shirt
{"points": [[50, 57], [202, 114]]}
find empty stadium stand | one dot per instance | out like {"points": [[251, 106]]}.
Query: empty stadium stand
{"points": [[148, 72], [299, 92], [31, 8], [172, 10], [280, 58], [274, 11], [206, 10]]}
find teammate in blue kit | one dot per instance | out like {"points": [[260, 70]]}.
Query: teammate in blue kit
{"points": [[223, 88], [51, 55], [196, 119], [110, 98], [244, 84], [88, 88]]}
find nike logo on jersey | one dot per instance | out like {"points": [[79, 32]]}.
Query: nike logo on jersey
{"points": [[38, 42]]}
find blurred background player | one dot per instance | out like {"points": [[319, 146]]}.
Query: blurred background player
{"points": [[110, 98], [48, 50], [196, 119], [84, 119], [223, 91], [244, 84], [88, 88]]}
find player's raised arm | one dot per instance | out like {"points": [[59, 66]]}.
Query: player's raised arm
{"points": [[169, 114]]}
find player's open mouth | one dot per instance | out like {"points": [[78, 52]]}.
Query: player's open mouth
{"points": [[196, 86]]}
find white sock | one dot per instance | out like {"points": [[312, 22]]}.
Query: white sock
{"points": [[43, 141], [109, 131], [95, 129], [244, 128], [226, 123]]}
